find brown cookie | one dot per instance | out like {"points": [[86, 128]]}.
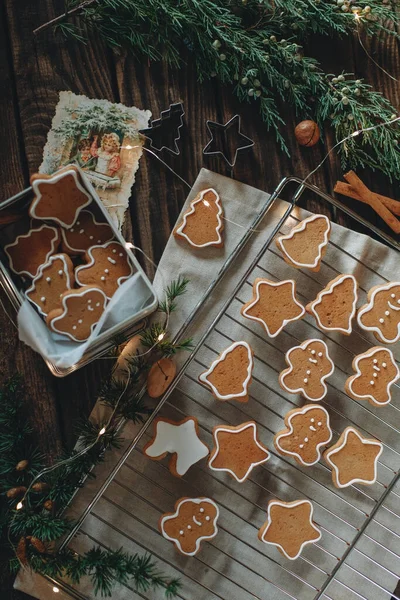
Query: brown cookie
{"points": [[85, 233], [237, 450], [335, 306], [202, 225], [229, 376], [28, 252], [160, 377], [53, 279], [307, 431], [381, 314], [80, 311], [107, 267], [305, 246], [194, 520], [273, 305], [58, 197]]}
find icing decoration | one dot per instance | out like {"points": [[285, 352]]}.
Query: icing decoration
{"points": [[32, 249], [307, 241], [203, 222], [51, 288], [230, 374], [380, 365], [78, 241], [381, 314], [330, 301]]}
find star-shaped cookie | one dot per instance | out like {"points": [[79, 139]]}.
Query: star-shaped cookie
{"points": [[353, 459], [290, 527], [274, 305], [237, 450]]}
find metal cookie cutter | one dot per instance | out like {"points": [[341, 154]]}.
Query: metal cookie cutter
{"points": [[164, 133], [221, 134]]}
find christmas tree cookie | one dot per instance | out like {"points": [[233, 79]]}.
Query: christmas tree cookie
{"points": [[305, 246], [335, 306], [202, 224]]}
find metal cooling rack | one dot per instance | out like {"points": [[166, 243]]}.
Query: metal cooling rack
{"points": [[358, 556]]}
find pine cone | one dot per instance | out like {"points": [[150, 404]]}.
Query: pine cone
{"points": [[48, 505], [22, 465], [16, 492], [37, 544], [21, 551], [40, 487]]}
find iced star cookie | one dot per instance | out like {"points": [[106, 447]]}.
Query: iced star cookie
{"points": [[335, 306], [85, 233], [59, 197], [181, 440], [289, 527], [274, 305], [309, 366], [202, 224], [80, 312], [53, 279], [305, 246], [229, 375], [237, 450], [381, 314], [194, 520], [28, 252], [353, 459], [307, 432], [107, 267], [376, 371]]}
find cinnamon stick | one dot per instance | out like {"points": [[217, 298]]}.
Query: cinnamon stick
{"points": [[373, 201], [346, 190]]}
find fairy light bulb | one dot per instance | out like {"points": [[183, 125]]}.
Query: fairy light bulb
{"points": [[128, 147], [102, 431], [160, 337], [206, 203], [19, 506], [55, 589]]}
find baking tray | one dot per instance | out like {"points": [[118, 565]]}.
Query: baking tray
{"points": [[358, 556]]}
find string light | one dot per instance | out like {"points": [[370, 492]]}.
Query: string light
{"points": [[161, 337], [56, 589], [19, 506], [206, 203], [102, 431]]}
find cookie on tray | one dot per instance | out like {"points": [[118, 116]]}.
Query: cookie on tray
{"points": [[202, 224], [85, 233], [335, 306], [31, 250], [54, 277], [376, 372], [305, 246], [381, 314]]}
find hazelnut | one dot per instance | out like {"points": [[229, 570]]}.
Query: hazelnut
{"points": [[307, 133]]}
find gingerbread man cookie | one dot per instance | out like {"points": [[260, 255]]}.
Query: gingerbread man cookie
{"points": [[307, 431], [335, 307], [289, 527], [376, 372], [229, 376], [28, 252], [80, 312], [194, 520], [85, 233], [107, 267], [53, 279], [59, 197], [353, 459], [381, 314], [309, 366], [202, 224], [274, 305], [237, 450], [181, 440], [305, 246]]}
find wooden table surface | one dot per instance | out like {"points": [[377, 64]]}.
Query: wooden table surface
{"points": [[35, 70]]}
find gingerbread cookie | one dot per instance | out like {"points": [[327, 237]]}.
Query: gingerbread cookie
{"points": [[305, 246], [376, 371], [53, 279], [309, 366], [194, 520], [28, 252], [381, 314], [202, 225], [85, 233], [289, 527], [160, 377], [59, 197], [80, 311], [229, 375], [237, 450], [274, 305], [353, 459], [307, 431], [335, 306], [107, 267]]}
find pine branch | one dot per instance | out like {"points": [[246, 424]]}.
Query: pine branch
{"points": [[177, 288]]}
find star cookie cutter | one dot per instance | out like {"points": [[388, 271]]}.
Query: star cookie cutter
{"points": [[222, 130], [164, 132]]}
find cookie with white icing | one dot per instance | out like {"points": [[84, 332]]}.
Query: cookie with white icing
{"points": [[202, 225], [307, 432], [108, 266], [229, 376], [54, 278], [309, 366], [376, 372], [80, 312], [335, 306], [193, 521], [85, 233], [31, 250], [181, 439], [305, 246], [381, 314]]}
